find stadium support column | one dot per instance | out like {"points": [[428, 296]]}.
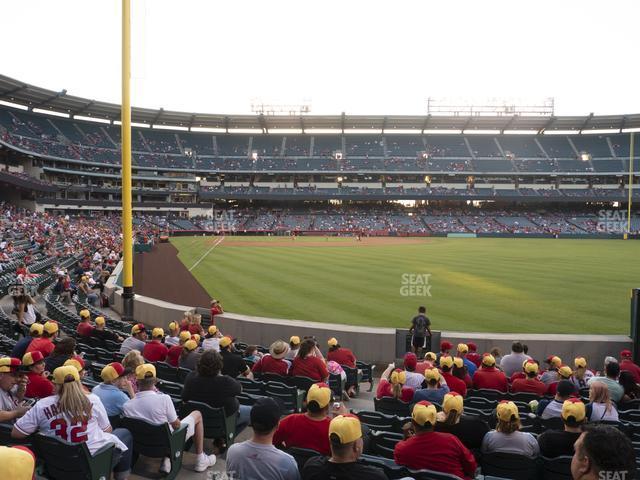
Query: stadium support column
{"points": [[127, 227], [631, 155]]}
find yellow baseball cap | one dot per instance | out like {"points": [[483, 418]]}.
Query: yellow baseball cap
{"points": [[346, 427], [137, 328], [332, 342], [506, 411], [446, 361], [319, 393], [554, 361], [112, 372], [295, 340], [173, 326], [573, 411], [424, 412], [430, 356], [190, 345], [75, 362], [195, 337], [458, 362], [184, 336], [463, 348], [65, 374], [432, 374], [36, 328], [17, 463], [99, 321], [32, 358], [530, 366], [565, 371], [225, 342], [51, 327], [212, 330], [580, 362], [157, 332], [488, 360], [85, 313], [452, 401], [398, 377], [8, 364], [146, 370]]}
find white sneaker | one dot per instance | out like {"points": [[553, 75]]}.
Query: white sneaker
{"points": [[166, 465], [205, 461]]}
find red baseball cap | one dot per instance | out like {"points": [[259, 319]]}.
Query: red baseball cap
{"points": [[472, 346], [410, 360], [625, 353], [446, 345]]}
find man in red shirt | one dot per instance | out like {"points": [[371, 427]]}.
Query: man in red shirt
{"points": [[530, 384], [155, 350], [311, 429], [426, 364], [473, 354], [274, 362], [626, 364], [216, 309], [488, 376], [426, 448], [564, 373], [455, 384], [173, 355], [38, 386], [44, 344], [84, 328], [340, 355]]}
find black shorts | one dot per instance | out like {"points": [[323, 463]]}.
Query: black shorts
{"points": [[419, 342]]}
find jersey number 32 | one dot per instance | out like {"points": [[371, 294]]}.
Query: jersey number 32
{"points": [[74, 434]]}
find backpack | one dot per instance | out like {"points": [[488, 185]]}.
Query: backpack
{"points": [[420, 329]]}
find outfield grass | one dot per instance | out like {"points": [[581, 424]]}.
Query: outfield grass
{"points": [[477, 284]]}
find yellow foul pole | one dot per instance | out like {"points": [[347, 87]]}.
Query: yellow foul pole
{"points": [[127, 228], [631, 155]]}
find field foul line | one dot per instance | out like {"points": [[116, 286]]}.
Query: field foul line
{"points": [[206, 253]]}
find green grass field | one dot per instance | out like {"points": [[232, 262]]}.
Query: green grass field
{"points": [[476, 284]]}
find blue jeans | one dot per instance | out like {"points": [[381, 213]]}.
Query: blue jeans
{"points": [[122, 460], [244, 415]]}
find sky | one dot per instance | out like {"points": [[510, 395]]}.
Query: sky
{"points": [[352, 56]]}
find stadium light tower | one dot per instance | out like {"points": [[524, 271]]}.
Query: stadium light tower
{"points": [[125, 117]]}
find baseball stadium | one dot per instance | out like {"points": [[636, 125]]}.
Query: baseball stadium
{"points": [[290, 295]]}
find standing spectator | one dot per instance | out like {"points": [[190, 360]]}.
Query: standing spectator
{"points": [[38, 385], [234, 364], [13, 385], [435, 391], [44, 344], [463, 349], [257, 457], [212, 339], [392, 384], [157, 408], [581, 375], [455, 384], [488, 376], [414, 380], [25, 310], [420, 330], [513, 362], [530, 384], [155, 350], [468, 429], [173, 356], [600, 408], [564, 373], [426, 448], [340, 355], [216, 309], [294, 346], [309, 362], [626, 363], [136, 341], [20, 348], [603, 452], [310, 429], [612, 371], [172, 339], [63, 351], [553, 408], [84, 328], [115, 389], [473, 355], [274, 362], [631, 388], [345, 438], [507, 437], [555, 443], [551, 375], [189, 355]]}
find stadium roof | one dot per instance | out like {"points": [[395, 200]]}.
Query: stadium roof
{"points": [[15, 91]]}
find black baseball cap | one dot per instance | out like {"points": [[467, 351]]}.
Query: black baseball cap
{"points": [[266, 413], [565, 388]]}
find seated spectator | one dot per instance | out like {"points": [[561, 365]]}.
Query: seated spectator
{"points": [[131, 362], [555, 443], [552, 408], [463, 349], [155, 350], [63, 351], [460, 371], [470, 430], [234, 364], [345, 439], [551, 375], [626, 364], [600, 407], [603, 452], [193, 324], [612, 371], [257, 457], [530, 384], [392, 384], [38, 385], [136, 341], [85, 292], [428, 363], [581, 375], [435, 391], [102, 334], [173, 355], [455, 384], [309, 363], [631, 388], [426, 448], [251, 354], [274, 362], [189, 355], [13, 385], [340, 355], [310, 429], [497, 354], [488, 376], [212, 339], [77, 418], [414, 380], [564, 373], [513, 362], [17, 463], [44, 344], [445, 347], [473, 355], [507, 437], [115, 389], [157, 408], [84, 328], [294, 346], [20, 348], [172, 339]]}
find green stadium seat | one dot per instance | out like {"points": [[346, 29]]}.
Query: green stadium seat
{"points": [[214, 420]]}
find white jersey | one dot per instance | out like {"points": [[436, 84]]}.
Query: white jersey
{"points": [[46, 418], [212, 343]]}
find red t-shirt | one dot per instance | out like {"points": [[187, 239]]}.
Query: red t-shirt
{"points": [[518, 375], [311, 367], [530, 385], [174, 355], [298, 430], [422, 366], [38, 386], [629, 366], [385, 389], [490, 378], [455, 384], [84, 329], [268, 364], [439, 451], [342, 356], [154, 351], [217, 310], [42, 345], [474, 357]]}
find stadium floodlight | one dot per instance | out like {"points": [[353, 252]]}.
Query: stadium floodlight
{"points": [[480, 132], [91, 119], [51, 112], [561, 132], [520, 132], [13, 105], [444, 131]]}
